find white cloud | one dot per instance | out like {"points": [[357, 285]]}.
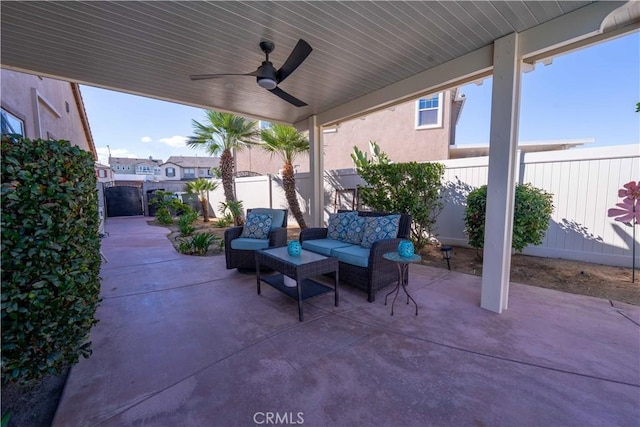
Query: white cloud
{"points": [[146, 139], [175, 141]]}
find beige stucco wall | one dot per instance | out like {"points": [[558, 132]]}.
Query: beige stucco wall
{"points": [[30, 98], [394, 130]]}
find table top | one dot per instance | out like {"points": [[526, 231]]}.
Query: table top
{"points": [[395, 257], [305, 256]]}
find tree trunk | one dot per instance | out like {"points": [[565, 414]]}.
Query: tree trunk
{"points": [[226, 169], [205, 209], [289, 185]]}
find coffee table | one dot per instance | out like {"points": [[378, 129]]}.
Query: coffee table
{"points": [[299, 268]]}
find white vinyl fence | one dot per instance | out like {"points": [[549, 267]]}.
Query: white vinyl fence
{"points": [[584, 184]]}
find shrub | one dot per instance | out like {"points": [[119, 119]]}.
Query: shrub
{"points": [[50, 257], [235, 209], [185, 222], [163, 216], [412, 188], [532, 212], [225, 221], [198, 244]]}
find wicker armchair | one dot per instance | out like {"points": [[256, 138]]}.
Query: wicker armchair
{"points": [[245, 259], [379, 272]]}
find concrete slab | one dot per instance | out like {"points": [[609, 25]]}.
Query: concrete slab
{"points": [[183, 341]]}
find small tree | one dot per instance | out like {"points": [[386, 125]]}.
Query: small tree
{"points": [[201, 187], [532, 212]]}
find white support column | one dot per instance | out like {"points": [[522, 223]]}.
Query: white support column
{"points": [[502, 174], [316, 167]]}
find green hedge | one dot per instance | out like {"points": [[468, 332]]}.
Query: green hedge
{"points": [[532, 212], [50, 256]]}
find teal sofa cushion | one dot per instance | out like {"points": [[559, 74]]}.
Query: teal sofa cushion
{"points": [[257, 226], [352, 254], [278, 216], [379, 228], [338, 224], [323, 246], [248, 244]]}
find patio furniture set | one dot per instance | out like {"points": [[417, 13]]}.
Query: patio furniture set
{"points": [[357, 248]]}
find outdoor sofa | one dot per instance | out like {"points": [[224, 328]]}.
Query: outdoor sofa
{"points": [[359, 251], [240, 243]]}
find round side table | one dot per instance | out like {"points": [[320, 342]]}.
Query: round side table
{"points": [[403, 276]]}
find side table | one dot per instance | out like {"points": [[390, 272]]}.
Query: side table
{"points": [[403, 276]]}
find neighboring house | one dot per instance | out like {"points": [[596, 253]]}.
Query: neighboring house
{"points": [[417, 130], [178, 168], [39, 107], [124, 165], [104, 173]]}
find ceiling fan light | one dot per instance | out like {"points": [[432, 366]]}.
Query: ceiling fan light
{"points": [[267, 83]]}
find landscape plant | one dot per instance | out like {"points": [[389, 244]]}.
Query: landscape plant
{"points": [[360, 158], [532, 211], [50, 257], [286, 143], [222, 134], [163, 216], [185, 223], [412, 188], [628, 212], [234, 209], [201, 187], [198, 244]]}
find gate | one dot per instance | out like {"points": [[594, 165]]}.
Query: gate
{"points": [[123, 201]]}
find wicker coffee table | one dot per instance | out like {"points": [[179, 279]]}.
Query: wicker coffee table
{"points": [[299, 268]]}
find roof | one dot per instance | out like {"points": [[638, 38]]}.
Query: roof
{"points": [[194, 161], [131, 161], [366, 55], [463, 151]]}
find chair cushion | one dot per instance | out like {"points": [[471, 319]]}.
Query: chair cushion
{"points": [[278, 216], [248, 244], [379, 228], [355, 230], [352, 254], [323, 246], [257, 226], [338, 223]]}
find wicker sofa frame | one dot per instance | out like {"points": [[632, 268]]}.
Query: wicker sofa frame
{"points": [[379, 272], [245, 259]]}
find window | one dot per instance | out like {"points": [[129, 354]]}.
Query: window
{"points": [[429, 112], [170, 172], [143, 169], [189, 172], [11, 124]]}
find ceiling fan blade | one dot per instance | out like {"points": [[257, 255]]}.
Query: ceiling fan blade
{"points": [[289, 98], [297, 57], [215, 76]]}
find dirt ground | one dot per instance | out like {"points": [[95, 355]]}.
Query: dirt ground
{"points": [[602, 281]]}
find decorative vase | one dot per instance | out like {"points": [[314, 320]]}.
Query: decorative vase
{"points": [[405, 249], [294, 248]]}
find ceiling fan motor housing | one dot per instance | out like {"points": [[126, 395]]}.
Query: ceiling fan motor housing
{"points": [[267, 76]]}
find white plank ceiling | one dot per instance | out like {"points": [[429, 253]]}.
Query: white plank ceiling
{"points": [[150, 48]]}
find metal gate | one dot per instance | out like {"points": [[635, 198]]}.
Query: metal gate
{"points": [[123, 201]]}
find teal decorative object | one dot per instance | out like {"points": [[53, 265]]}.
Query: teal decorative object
{"points": [[294, 248], [405, 249]]}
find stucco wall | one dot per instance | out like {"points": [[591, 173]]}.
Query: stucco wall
{"points": [[44, 101]]}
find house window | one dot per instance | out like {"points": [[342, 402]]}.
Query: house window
{"points": [[429, 112], [189, 173], [170, 172], [11, 124]]}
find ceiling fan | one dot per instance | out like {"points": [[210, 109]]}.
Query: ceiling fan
{"points": [[267, 76]]}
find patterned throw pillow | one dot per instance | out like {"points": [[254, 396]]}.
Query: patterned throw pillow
{"points": [[379, 228], [338, 223], [355, 230], [257, 226]]}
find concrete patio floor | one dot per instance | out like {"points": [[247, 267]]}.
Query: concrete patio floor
{"points": [[184, 342]]}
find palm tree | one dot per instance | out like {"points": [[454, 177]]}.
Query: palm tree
{"points": [[221, 134], [201, 187], [286, 143]]}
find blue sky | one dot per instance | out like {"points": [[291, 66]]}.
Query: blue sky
{"points": [[590, 93]]}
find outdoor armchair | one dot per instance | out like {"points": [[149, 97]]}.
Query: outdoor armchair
{"points": [[265, 228]]}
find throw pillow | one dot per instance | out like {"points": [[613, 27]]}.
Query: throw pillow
{"points": [[257, 226], [379, 228], [355, 230], [338, 223]]}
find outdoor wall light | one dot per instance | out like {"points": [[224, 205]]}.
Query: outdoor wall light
{"points": [[446, 254]]}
